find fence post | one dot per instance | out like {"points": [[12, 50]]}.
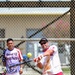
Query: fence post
{"points": [[72, 35]]}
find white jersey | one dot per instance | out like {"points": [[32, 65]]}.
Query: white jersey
{"points": [[46, 65], [11, 58], [54, 63], [54, 60]]}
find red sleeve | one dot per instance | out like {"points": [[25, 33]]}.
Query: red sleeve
{"points": [[20, 55]]}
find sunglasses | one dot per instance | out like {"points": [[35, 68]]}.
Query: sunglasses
{"points": [[43, 43]]}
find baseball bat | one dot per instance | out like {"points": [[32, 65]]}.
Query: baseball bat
{"points": [[26, 61]]}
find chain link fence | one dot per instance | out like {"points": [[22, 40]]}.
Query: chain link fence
{"points": [[27, 29]]}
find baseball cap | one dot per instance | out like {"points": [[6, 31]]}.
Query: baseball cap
{"points": [[43, 41]]}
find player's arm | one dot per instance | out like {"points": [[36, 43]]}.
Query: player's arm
{"points": [[20, 57], [48, 52], [21, 68], [21, 60], [51, 51], [38, 63]]}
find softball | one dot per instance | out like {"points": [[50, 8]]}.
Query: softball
{"points": [[29, 55]]}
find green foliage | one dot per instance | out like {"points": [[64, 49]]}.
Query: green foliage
{"points": [[66, 70]]}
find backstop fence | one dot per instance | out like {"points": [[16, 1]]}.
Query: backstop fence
{"points": [[32, 46], [27, 29]]}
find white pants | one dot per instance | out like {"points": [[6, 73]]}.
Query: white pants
{"points": [[13, 73]]}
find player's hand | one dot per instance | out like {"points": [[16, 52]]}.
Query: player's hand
{"points": [[35, 59], [21, 71], [38, 58]]}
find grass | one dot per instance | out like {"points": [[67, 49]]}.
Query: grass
{"points": [[66, 70]]}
